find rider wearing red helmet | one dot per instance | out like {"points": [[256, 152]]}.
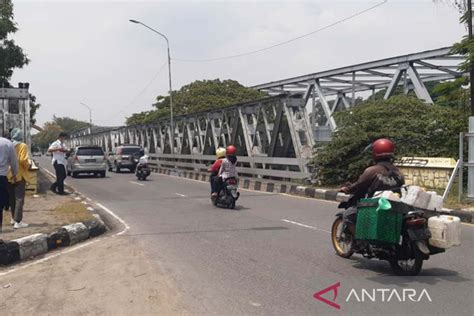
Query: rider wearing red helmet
{"points": [[227, 169], [379, 177]]}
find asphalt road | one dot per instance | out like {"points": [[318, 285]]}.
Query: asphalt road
{"points": [[271, 254]]}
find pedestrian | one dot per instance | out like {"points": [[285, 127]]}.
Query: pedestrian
{"points": [[58, 150], [17, 187], [7, 160]]}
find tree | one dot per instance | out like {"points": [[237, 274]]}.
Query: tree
{"points": [[466, 46], [33, 108], [416, 128], [11, 55], [52, 129], [68, 124], [197, 96], [48, 135]]}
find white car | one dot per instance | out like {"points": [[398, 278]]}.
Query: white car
{"points": [[87, 159]]}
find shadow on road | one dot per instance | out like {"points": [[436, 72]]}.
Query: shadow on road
{"points": [[429, 276], [263, 228]]}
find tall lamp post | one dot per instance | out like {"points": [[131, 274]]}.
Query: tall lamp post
{"points": [[90, 113], [169, 77]]}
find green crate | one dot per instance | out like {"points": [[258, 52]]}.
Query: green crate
{"points": [[377, 225]]}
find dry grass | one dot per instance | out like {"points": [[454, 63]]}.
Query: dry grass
{"points": [[72, 212], [452, 201]]}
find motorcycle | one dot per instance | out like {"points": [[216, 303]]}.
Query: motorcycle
{"points": [[142, 171], [405, 258], [227, 195]]}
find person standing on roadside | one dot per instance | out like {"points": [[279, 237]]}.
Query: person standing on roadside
{"points": [[58, 149], [17, 187], [7, 160]]}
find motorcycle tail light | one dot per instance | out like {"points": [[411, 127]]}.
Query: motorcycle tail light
{"points": [[232, 181], [416, 221]]}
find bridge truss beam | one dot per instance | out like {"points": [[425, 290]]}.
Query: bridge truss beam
{"points": [[410, 71]]}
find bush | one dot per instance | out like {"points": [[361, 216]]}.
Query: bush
{"points": [[418, 129]]}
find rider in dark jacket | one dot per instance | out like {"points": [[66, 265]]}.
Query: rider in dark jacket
{"points": [[379, 177]]}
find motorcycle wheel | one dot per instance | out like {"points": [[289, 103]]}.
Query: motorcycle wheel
{"points": [[341, 238], [410, 267], [232, 204]]}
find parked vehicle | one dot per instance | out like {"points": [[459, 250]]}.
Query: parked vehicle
{"points": [[405, 247], [228, 194], [122, 157], [86, 159]]}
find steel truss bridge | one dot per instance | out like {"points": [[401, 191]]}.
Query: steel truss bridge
{"points": [[275, 135]]}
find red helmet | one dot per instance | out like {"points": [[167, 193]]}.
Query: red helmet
{"points": [[383, 148], [231, 150]]}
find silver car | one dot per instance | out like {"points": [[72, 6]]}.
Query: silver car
{"points": [[87, 159]]}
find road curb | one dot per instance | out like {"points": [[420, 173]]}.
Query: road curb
{"points": [[38, 244], [270, 186]]}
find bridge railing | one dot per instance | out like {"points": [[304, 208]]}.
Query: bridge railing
{"points": [[286, 169]]}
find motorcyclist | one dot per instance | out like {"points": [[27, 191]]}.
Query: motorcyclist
{"points": [[214, 169], [379, 177], [142, 159], [228, 167]]}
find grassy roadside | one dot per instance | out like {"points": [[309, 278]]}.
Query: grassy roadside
{"points": [[72, 212]]}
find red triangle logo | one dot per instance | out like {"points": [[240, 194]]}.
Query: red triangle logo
{"points": [[332, 288]]}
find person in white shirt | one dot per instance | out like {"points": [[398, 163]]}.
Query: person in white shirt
{"points": [[58, 149]]}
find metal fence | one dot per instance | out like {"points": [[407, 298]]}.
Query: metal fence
{"points": [[263, 167]]}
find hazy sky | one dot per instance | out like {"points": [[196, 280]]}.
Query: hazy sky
{"points": [[88, 51]]}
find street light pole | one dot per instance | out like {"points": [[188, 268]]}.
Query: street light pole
{"points": [[90, 113], [169, 77]]}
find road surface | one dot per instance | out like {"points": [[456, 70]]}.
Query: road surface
{"points": [[270, 255]]}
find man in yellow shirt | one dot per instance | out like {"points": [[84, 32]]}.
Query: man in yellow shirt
{"points": [[17, 186]]}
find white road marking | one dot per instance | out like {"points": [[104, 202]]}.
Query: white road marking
{"points": [[136, 183], [307, 226], [117, 218], [181, 195]]}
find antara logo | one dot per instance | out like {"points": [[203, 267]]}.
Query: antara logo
{"points": [[388, 295], [374, 295], [332, 288]]}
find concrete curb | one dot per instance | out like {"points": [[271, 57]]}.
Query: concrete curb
{"points": [[270, 186], [38, 244]]}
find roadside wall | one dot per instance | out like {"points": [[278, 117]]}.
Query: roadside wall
{"points": [[427, 172]]}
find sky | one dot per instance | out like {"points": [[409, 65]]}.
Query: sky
{"points": [[88, 51]]}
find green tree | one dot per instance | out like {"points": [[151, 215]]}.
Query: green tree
{"points": [[11, 55], [68, 124], [52, 129], [416, 128], [197, 96], [33, 108], [48, 135]]}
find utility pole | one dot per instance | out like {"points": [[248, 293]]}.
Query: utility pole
{"points": [[471, 66]]}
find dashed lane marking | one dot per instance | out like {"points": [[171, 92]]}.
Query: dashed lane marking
{"points": [[181, 195], [133, 182], [306, 226]]}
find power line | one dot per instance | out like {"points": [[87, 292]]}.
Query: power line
{"points": [[285, 42], [140, 93]]}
